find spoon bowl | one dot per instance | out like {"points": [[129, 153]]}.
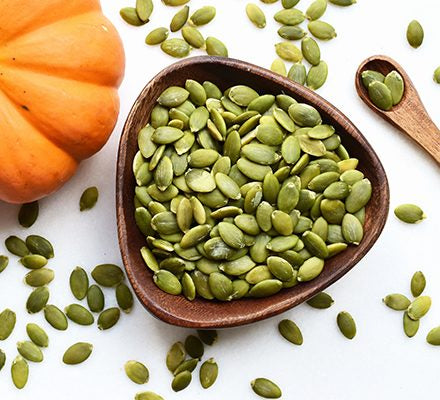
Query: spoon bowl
{"points": [[200, 313]]}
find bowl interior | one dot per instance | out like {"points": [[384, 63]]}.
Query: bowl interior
{"points": [[210, 314]]}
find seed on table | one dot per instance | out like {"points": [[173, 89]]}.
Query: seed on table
{"points": [[108, 275], [279, 67], [2, 359], [108, 318], [194, 347], [297, 73], [77, 353], [95, 298], [37, 300], [317, 75], [144, 9], [290, 331], [137, 372], [418, 283], [436, 76], [79, 283], [291, 32], [34, 261], [322, 30], [188, 365], [28, 214], [175, 356], [124, 297], [289, 17], [175, 3], [4, 261], [397, 301], [19, 372], [266, 388], [415, 34], [288, 52], [175, 47], [410, 327], [16, 246], [130, 16], [157, 36], [55, 317], [409, 213], [37, 335], [39, 277], [419, 307], [343, 3], [181, 381], [284, 3], [7, 323], [311, 51], [148, 396], [39, 245], [316, 9], [202, 16], [179, 19], [433, 336], [321, 301], [89, 198], [208, 337], [79, 314], [193, 37], [208, 373], [346, 324], [256, 15], [30, 351]]}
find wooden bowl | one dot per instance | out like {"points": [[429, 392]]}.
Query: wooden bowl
{"points": [[200, 313]]}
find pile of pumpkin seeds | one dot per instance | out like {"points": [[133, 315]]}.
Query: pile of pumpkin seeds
{"points": [[384, 91], [242, 194], [187, 24]]}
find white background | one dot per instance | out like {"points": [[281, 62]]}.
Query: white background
{"points": [[381, 362]]}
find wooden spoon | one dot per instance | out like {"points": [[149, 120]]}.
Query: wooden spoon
{"points": [[409, 116], [201, 313]]}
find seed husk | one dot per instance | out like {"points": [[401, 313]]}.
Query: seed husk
{"points": [[175, 356], [79, 283], [194, 347], [290, 331], [95, 298], [203, 16], [37, 300], [157, 36], [179, 19], [346, 324], [397, 301], [16, 246], [208, 337], [433, 336], [30, 351], [181, 381], [137, 372], [19, 372], [415, 34], [418, 283], [380, 95], [289, 17], [409, 213], [410, 327], [322, 30], [34, 261], [108, 275], [256, 15], [175, 47], [55, 317], [89, 198], [193, 37], [288, 52], [316, 10], [77, 353], [266, 388], [317, 75], [279, 67], [130, 16], [7, 323], [28, 214], [108, 318], [321, 301], [77, 313], [208, 373], [148, 396], [37, 335], [419, 307], [39, 277]]}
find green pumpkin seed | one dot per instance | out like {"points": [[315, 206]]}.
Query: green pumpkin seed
{"points": [[208, 373], [265, 388], [418, 283], [89, 198], [19, 372], [369, 76], [337, 190], [317, 75], [346, 324], [221, 286], [188, 365], [256, 15], [240, 289], [410, 327], [282, 243], [30, 351], [433, 336], [193, 37], [157, 36], [188, 287], [310, 269], [315, 244], [436, 75], [28, 214], [77, 313], [181, 381], [322, 30], [144, 9], [179, 19], [124, 297], [321, 301], [4, 261], [279, 67], [7, 323], [175, 3], [208, 337], [194, 347], [297, 73], [316, 10], [77, 353], [380, 95], [311, 51], [195, 236], [290, 331], [258, 274], [237, 267], [288, 3], [409, 213], [397, 301], [415, 34], [175, 47], [37, 335], [79, 283], [167, 282], [304, 115], [55, 317], [108, 318], [130, 16], [343, 3], [137, 372], [202, 16], [289, 17], [175, 356], [394, 82], [148, 396], [37, 300], [39, 277], [280, 268], [16, 246], [108, 275], [291, 32], [196, 91], [288, 52], [359, 196], [419, 307], [266, 288], [173, 96], [242, 95], [352, 229], [200, 180], [34, 261], [2, 359]]}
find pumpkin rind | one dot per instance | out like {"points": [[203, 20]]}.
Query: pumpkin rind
{"points": [[60, 66]]}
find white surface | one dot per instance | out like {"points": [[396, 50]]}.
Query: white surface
{"points": [[379, 363]]}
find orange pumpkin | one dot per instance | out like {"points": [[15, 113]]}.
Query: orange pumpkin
{"points": [[61, 63]]}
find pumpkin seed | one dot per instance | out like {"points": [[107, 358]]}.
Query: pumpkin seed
{"points": [[33, 261], [194, 347], [2, 359], [289, 17], [188, 365], [173, 96], [346, 324], [95, 298], [316, 10], [193, 37], [39, 277], [16, 246], [409, 213], [157, 36], [266, 288], [175, 356], [30, 351], [322, 30], [148, 396], [195, 236], [343, 3], [369, 76], [137, 372], [77, 313], [77, 353], [310, 269], [7, 323], [304, 115], [208, 373], [256, 15], [4, 261], [359, 196], [415, 34], [175, 47], [418, 283], [352, 229], [397, 301], [279, 67], [37, 300], [37, 335], [290, 331], [144, 9], [108, 318], [28, 214], [266, 388], [311, 51], [55, 317], [317, 75], [179, 19], [288, 52], [433, 336], [297, 73], [181, 381], [394, 82], [79, 283], [130, 16], [208, 337], [175, 3], [291, 32], [419, 307], [108, 275], [288, 3], [188, 287], [380, 95], [203, 16], [410, 327], [166, 281], [19, 372], [436, 76], [321, 301], [89, 198]]}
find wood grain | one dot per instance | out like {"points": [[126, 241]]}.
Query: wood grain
{"points": [[204, 314], [410, 115]]}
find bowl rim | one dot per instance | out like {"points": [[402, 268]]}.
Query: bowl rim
{"points": [[277, 307]]}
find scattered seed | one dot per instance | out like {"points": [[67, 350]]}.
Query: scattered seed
{"points": [[266, 388], [290, 331], [418, 283], [415, 34], [89, 198], [321, 301], [37, 300], [37, 335], [16, 246], [108, 318], [137, 372], [19, 372], [346, 324], [208, 373], [79, 283], [7, 323], [409, 213], [39, 245], [77, 353], [28, 214]]}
